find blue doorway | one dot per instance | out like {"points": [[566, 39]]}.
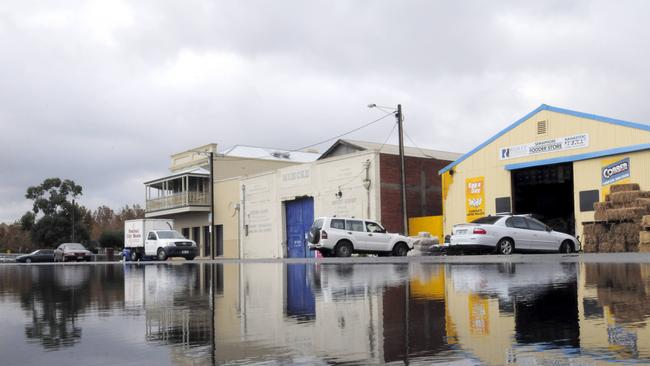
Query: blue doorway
{"points": [[301, 302], [299, 215]]}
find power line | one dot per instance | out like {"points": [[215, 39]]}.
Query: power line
{"points": [[317, 143], [381, 147], [416, 145]]}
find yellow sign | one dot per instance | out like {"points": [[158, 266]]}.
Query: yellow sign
{"points": [[474, 198], [479, 322]]}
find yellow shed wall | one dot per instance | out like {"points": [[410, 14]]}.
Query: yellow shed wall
{"points": [[586, 176], [486, 162]]}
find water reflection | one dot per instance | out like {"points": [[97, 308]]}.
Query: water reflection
{"points": [[203, 314]]}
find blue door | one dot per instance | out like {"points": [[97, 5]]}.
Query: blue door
{"points": [[300, 298], [300, 215]]}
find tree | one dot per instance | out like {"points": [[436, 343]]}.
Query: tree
{"points": [[112, 239], [55, 217]]}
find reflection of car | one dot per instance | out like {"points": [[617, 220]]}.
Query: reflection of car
{"points": [[343, 236], [41, 255], [72, 252], [508, 233]]}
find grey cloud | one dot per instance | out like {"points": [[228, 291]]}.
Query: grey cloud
{"points": [[103, 92]]}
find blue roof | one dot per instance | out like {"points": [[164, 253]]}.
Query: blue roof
{"points": [[545, 107]]}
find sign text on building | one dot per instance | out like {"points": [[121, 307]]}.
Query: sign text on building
{"points": [[545, 146], [615, 171]]}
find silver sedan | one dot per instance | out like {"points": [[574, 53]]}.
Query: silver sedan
{"points": [[505, 234]]}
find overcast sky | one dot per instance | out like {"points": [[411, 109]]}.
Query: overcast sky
{"points": [[102, 92]]}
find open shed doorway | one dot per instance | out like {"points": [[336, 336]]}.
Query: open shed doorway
{"points": [[546, 192]]}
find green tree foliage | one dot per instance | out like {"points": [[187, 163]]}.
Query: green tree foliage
{"points": [[55, 218], [112, 239], [13, 238]]}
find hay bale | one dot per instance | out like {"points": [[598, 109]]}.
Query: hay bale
{"points": [[600, 215], [604, 247], [618, 198], [624, 187], [644, 237], [590, 243], [600, 206], [622, 214], [618, 247], [643, 202], [644, 248], [645, 222]]}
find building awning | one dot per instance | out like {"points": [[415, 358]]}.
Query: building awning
{"points": [[200, 172], [579, 157]]}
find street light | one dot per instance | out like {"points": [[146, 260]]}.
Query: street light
{"points": [[400, 120]]}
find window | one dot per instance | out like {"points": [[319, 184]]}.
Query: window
{"points": [[535, 225], [516, 222], [337, 224], [168, 234], [542, 127], [354, 225], [152, 236], [318, 224], [373, 227], [587, 200], [502, 204], [489, 220]]}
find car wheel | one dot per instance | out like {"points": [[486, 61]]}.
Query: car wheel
{"points": [[400, 250], [28, 260], [566, 247], [343, 249], [134, 256], [162, 256], [506, 246]]}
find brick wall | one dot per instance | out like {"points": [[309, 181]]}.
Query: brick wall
{"points": [[423, 189]]}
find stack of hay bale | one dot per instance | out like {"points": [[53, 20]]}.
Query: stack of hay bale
{"points": [[618, 221], [644, 236]]}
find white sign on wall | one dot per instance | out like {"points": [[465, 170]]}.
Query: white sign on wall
{"points": [[545, 146]]}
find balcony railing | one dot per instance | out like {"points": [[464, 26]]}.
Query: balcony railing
{"points": [[182, 199]]}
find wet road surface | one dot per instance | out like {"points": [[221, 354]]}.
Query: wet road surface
{"points": [[470, 310]]}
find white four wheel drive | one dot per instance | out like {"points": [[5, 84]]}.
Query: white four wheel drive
{"points": [[342, 236], [505, 234]]}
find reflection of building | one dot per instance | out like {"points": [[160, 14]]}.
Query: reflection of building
{"points": [[176, 305], [509, 313]]}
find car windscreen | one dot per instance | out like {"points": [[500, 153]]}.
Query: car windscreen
{"points": [[169, 234], [489, 220], [74, 247]]}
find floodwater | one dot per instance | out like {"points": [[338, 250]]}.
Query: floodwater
{"points": [[277, 313]]}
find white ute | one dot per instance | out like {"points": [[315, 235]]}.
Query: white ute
{"points": [[156, 238], [341, 236]]}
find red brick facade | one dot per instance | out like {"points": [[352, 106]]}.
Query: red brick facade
{"points": [[423, 189]]}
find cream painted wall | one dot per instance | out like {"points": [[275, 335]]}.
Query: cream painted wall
{"points": [[265, 195], [486, 162], [226, 193], [225, 167]]}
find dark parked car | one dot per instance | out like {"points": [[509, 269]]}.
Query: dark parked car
{"points": [[41, 255], [72, 252]]}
